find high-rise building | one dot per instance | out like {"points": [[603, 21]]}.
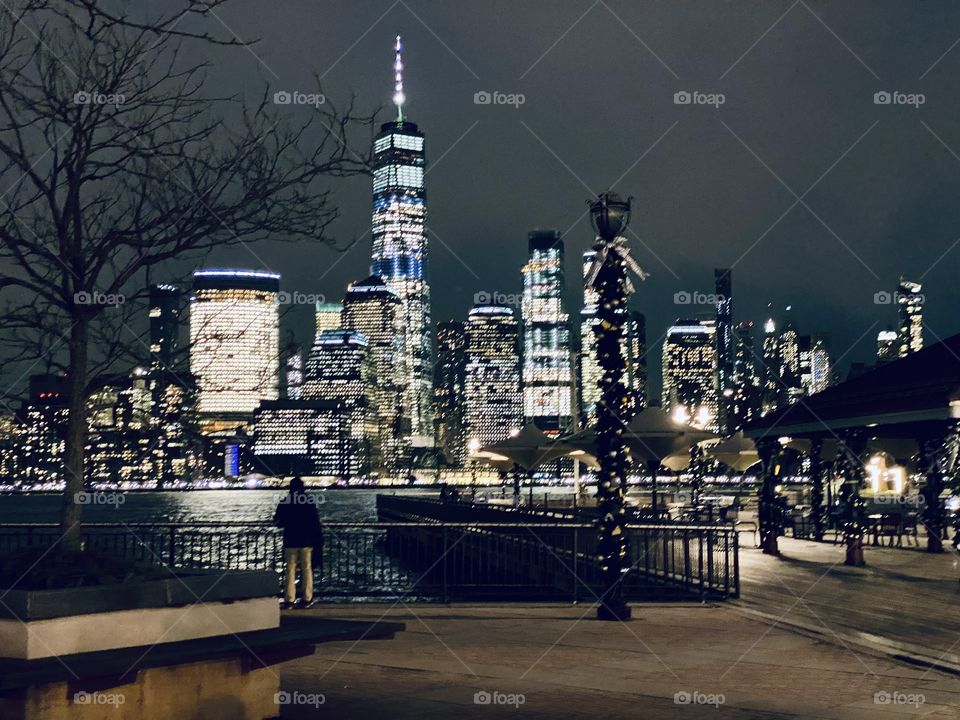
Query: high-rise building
{"points": [[449, 389], [821, 367], [371, 309], [340, 369], [746, 393], [306, 437], [547, 371], [771, 369], [791, 381], [400, 253], [690, 372], [493, 402], [293, 372], [910, 305], [41, 433], [723, 284], [234, 340], [327, 317], [164, 325], [634, 350], [888, 346]]}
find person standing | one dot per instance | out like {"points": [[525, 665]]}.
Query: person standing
{"points": [[297, 515]]}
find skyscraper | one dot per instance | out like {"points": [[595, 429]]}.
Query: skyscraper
{"points": [[746, 393], [910, 305], [234, 340], [690, 372], [493, 403], [327, 317], [888, 346], [771, 368], [370, 308], [449, 389], [547, 372], [723, 284], [634, 352], [400, 252], [164, 325], [821, 368]]}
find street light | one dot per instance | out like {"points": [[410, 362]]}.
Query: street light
{"points": [[608, 276]]}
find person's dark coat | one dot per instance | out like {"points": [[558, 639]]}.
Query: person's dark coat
{"points": [[298, 517]]}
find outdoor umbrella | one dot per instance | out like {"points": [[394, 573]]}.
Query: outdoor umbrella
{"points": [[529, 449], [737, 452]]}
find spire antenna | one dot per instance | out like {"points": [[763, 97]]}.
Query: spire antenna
{"points": [[398, 96]]}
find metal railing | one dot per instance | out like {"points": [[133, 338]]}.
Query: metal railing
{"points": [[433, 561]]}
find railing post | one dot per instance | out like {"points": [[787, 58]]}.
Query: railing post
{"points": [[700, 561], [710, 542], [446, 596], [171, 553], [576, 570], [736, 563]]}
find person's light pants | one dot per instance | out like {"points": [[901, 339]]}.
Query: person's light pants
{"points": [[303, 556]]}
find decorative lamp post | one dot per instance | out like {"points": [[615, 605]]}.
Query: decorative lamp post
{"points": [[608, 276]]}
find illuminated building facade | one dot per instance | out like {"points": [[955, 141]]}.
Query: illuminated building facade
{"points": [[723, 290], [888, 346], [340, 370], [327, 317], [771, 368], [746, 394], [372, 309], [400, 254], [547, 361], [910, 305], [690, 372], [634, 353], [449, 389], [493, 406], [234, 340], [306, 437], [164, 325], [42, 423], [821, 367]]}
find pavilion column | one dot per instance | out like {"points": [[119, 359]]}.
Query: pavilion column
{"points": [[850, 464], [937, 457], [817, 475], [769, 509]]}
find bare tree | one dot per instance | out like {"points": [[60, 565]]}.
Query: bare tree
{"points": [[115, 158]]}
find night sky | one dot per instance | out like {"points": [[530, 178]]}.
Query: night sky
{"points": [[815, 195]]}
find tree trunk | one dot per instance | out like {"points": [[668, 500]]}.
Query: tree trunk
{"points": [[76, 436]]}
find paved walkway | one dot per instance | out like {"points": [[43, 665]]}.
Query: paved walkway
{"points": [[564, 664], [904, 600]]}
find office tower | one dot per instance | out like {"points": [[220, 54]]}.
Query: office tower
{"points": [[888, 346], [771, 368], [400, 254], [723, 290], [327, 317], [493, 403], [340, 369], [8, 453], [690, 372], [821, 368], [449, 389], [910, 306], [791, 384], [547, 371], [164, 325], [42, 425], [745, 396], [293, 372], [371, 309], [634, 353], [234, 340], [306, 437]]}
